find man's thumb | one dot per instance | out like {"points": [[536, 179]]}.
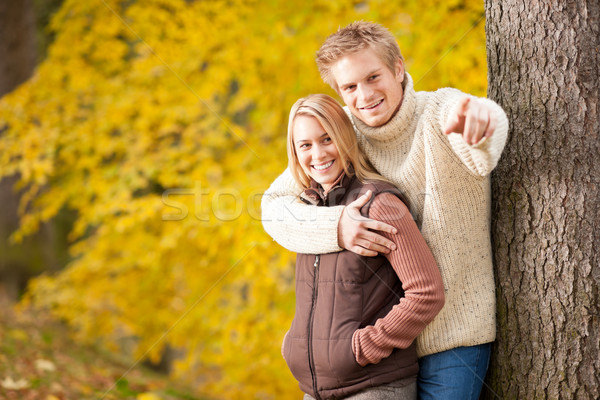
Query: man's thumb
{"points": [[362, 200]]}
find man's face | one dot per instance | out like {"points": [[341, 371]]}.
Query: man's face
{"points": [[371, 91]]}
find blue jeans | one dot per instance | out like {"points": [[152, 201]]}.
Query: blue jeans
{"points": [[455, 374]]}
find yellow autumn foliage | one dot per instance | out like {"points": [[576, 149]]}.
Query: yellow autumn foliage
{"points": [[160, 123]]}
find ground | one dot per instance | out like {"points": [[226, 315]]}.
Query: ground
{"points": [[39, 360]]}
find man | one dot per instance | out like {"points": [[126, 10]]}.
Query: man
{"points": [[439, 149]]}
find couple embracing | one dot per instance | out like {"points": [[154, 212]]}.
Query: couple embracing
{"points": [[387, 203]]}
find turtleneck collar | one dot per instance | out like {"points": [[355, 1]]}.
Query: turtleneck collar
{"points": [[399, 122], [317, 196]]}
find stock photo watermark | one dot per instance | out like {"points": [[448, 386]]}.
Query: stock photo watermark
{"points": [[221, 204], [229, 204]]}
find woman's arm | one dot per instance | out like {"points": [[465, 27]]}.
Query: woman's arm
{"points": [[421, 280]]}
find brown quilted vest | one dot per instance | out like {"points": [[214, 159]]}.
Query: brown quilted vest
{"points": [[336, 294]]}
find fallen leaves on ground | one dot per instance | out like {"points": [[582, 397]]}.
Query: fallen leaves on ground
{"points": [[39, 360]]}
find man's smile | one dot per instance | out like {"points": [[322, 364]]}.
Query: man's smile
{"points": [[372, 106]]}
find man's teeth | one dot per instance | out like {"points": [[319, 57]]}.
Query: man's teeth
{"points": [[374, 105], [323, 166]]}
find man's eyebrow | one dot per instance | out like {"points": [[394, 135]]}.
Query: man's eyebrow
{"points": [[345, 85]]}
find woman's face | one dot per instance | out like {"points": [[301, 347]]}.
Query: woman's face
{"points": [[317, 154]]}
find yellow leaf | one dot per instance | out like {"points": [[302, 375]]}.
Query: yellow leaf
{"points": [[148, 396]]}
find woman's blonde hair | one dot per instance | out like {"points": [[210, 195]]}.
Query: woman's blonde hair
{"points": [[353, 38], [338, 126]]}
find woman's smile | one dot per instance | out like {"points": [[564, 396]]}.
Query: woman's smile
{"points": [[323, 167]]}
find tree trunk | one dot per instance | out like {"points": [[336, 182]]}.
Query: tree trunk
{"points": [[17, 43], [17, 62], [19, 50], [543, 65]]}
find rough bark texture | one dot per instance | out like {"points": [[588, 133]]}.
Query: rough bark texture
{"points": [[543, 61]]}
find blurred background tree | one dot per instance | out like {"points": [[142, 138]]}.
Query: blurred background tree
{"points": [[158, 124], [23, 43]]}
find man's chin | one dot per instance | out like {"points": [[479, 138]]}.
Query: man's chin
{"points": [[373, 121], [369, 119]]}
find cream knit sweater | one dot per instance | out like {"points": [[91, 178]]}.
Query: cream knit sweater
{"points": [[446, 182]]}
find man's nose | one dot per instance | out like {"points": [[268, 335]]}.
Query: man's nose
{"points": [[365, 92]]}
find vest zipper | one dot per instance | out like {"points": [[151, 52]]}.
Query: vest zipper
{"points": [[311, 358]]}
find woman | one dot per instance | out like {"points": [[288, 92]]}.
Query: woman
{"points": [[356, 317]]}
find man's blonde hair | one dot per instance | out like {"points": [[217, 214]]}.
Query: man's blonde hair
{"points": [[353, 38], [336, 123]]}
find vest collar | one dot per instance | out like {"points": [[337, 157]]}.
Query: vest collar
{"points": [[315, 194]]}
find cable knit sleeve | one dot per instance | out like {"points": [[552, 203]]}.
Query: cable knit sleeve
{"points": [[297, 226], [482, 157], [421, 280]]}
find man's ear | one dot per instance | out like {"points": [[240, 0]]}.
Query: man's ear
{"points": [[400, 70]]}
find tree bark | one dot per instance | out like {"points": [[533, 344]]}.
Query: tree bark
{"points": [[543, 66]]}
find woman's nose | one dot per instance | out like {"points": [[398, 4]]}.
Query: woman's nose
{"points": [[318, 151]]}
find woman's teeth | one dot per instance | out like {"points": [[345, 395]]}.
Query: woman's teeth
{"points": [[323, 166]]}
